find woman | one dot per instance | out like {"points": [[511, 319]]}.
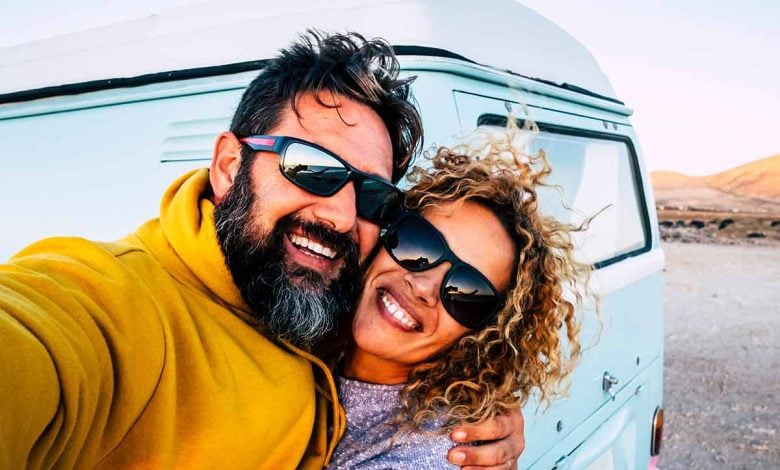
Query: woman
{"points": [[462, 310]]}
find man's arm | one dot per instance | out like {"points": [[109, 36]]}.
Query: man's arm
{"points": [[506, 440], [43, 370], [29, 392], [61, 354]]}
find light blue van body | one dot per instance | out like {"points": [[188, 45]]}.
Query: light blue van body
{"points": [[95, 164]]}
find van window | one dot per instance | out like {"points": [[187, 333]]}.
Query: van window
{"points": [[596, 177]]}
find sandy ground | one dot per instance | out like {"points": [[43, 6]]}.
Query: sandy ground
{"points": [[722, 380]]}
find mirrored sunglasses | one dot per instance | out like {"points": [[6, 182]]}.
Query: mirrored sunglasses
{"points": [[323, 173], [467, 295]]}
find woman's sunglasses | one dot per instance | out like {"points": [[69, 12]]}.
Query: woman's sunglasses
{"points": [[467, 295], [323, 173]]}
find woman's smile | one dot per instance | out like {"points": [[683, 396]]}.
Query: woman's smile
{"points": [[398, 315]]}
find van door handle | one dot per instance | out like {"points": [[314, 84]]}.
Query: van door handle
{"points": [[607, 383]]}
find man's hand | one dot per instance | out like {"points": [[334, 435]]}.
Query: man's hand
{"points": [[506, 441]]}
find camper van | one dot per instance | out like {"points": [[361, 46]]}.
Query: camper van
{"points": [[94, 125]]}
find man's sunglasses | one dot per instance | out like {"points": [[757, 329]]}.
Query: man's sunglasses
{"points": [[467, 295], [323, 173]]}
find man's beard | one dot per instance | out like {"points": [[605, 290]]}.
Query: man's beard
{"points": [[291, 302]]}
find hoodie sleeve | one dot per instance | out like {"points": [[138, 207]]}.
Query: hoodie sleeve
{"points": [[66, 335]]}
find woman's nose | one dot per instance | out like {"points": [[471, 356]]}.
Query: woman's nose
{"points": [[426, 285]]}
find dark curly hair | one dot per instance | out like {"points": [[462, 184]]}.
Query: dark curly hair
{"points": [[343, 64]]}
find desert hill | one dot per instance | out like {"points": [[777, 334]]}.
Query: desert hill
{"points": [[759, 179], [753, 187], [669, 180]]}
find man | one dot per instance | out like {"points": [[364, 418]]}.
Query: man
{"points": [[185, 343]]}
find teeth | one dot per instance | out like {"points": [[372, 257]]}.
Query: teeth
{"points": [[311, 245], [397, 312]]}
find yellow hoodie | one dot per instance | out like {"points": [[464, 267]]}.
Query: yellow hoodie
{"points": [[142, 354]]}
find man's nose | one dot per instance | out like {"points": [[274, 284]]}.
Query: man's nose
{"points": [[426, 284], [338, 211]]}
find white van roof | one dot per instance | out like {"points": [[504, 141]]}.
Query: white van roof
{"points": [[501, 34]]}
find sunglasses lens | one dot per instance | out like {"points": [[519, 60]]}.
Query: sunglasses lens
{"points": [[378, 201], [469, 298], [414, 245], [313, 170]]}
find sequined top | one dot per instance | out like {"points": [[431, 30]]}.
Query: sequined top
{"points": [[367, 441]]}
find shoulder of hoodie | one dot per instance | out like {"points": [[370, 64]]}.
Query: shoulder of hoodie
{"points": [[126, 268], [50, 251], [78, 263]]}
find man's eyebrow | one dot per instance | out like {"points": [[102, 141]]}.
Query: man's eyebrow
{"points": [[373, 173]]}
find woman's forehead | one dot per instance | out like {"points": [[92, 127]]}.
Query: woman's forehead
{"points": [[476, 236]]}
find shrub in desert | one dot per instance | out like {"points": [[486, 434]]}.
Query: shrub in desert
{"points": [[775, 224], [666, 223], [679, 223], [756, 235], [725, 223], [696, 224]]}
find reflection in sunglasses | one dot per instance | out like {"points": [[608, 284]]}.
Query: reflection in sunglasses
{"points": [[471, 298], [455, 290], [294, 171], [419, 263]]}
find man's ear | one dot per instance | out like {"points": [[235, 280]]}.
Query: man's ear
{"points": [[224, 164]]}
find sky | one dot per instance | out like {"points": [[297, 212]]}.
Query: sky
{"points": [[703, 77]]}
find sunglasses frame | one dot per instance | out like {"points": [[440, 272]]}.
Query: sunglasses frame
{"points": [[448, 255], [279, 145]]}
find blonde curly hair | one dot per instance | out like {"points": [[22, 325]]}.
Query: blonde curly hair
{"points": [[520, 352]]}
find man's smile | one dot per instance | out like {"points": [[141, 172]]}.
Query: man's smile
{"points": [[307, 251], [312, 247]]}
